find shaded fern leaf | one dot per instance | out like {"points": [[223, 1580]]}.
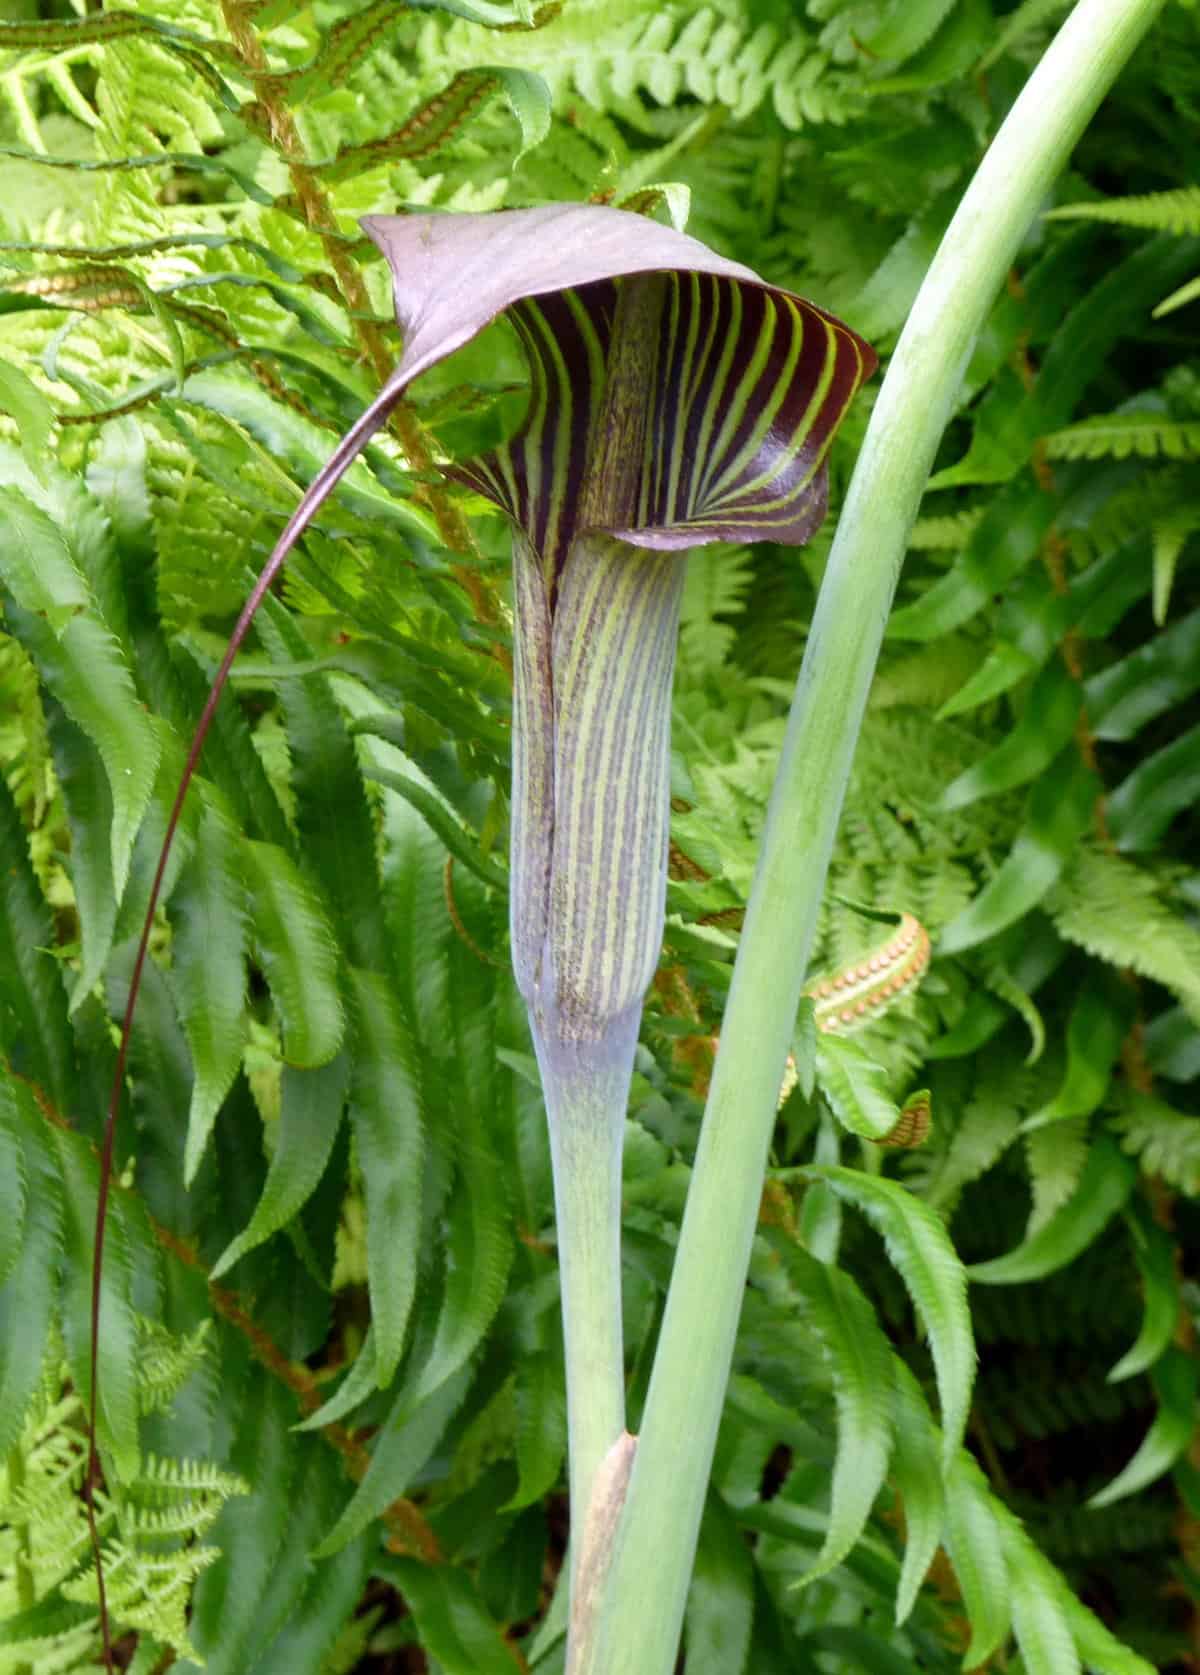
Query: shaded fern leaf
{"points": [[407, 1438], [332, 814], [89, 809], [385, 1115], [29, 1295], [1176, 211], [860, 1364], [720, 1608], [1120, 435], [208, 918], [294, 945], [1122, 913], [310, 1114], [919, 1246], [454, 1623], [52, 612], [117, 1403], [34, 1032]]}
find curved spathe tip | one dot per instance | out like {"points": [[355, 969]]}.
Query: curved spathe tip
{"points": [[453, 273]]}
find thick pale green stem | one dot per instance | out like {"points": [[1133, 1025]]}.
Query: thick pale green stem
{"points": [[637, 1625], [587, 1122]]}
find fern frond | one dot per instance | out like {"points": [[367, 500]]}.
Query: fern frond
{"points": [[987, 1126], [1188, 292], [1126, 512], [1165, 1142], [1027, 19], [1122, 913], [1072, 1532], [1120, 435], [166, 1361], [618, 57], [1177, 211], [949, 532], [715, 587], [1025, 1400], [1055, 1155]]}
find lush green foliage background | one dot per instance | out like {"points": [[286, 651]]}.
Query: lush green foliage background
{"points": [[332, 1405]]}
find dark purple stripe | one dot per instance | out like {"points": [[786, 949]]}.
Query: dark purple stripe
{"points": [[531, 461], [713, 306]]}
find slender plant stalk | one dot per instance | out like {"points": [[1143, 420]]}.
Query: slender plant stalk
{"points": [[587, 1194], [637, 1623]]}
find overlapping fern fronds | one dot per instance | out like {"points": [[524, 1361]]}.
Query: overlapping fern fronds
{"points": [[336, 1206]]}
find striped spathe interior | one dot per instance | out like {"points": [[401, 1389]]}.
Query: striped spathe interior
{"points": [[744, 387]]}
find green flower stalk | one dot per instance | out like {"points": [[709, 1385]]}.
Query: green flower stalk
{"points": [[676, 400]]}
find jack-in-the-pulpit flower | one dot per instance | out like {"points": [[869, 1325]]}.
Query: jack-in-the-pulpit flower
{"points": [[676, 399]]}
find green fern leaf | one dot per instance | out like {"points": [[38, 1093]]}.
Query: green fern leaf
{"points": [[1025, 20], [453, 1622], [34, 1032], [1061, 809], [720, 1607], [1176, 1379], [1126, 434], [976, 1551], [1104, 1185], [1056, 1157], [81, 662], [906, 26], [116, 1342], [13, 1181], [28, 1297], [1096, 1030], [1118, 911], [916, 1472], [541, 1438], [855, 1087], [1188, 292], [406, 1440], [332, 813], [1162, 673], [295, 947], [227, 1607], [1155, 1258], [1165, 1141], [1041, 1623], [385, 1115], [1046, 725], [1162, 786], [860, 1364], [309, 1118], [207, 912], [1167, 212], [85, 789], [920, 1249], [989, 1124]]}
